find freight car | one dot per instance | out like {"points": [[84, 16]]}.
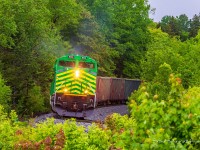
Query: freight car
{"points": [[111, 90], [76, 90]]}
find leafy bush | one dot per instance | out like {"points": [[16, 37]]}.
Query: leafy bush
{"points": [[98, 138], [8, 126], [122, 130], [160, 82], [155, 123], [76, 138], [171, 123]]}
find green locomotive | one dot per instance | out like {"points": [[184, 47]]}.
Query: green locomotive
{"points": [[73, 89]]}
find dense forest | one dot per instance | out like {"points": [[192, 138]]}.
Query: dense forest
{"points": [[126, 43]]}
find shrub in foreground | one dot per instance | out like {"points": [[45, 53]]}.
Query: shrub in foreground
{"points": [[171, 123]]}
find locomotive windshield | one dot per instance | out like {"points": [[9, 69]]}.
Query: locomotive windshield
{"points": [[67, 63], [85, 65]]}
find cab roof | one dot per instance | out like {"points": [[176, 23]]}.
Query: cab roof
{"points": [[71, 57]]}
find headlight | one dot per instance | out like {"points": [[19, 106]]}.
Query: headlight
{"points": [[65, 90], [77, 73], [86, 91]]}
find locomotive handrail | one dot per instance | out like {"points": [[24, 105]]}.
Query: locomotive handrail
{"points": [[94, 95], [55, 94]]}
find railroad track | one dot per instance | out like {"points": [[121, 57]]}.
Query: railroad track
{"points": [[100, 113]]}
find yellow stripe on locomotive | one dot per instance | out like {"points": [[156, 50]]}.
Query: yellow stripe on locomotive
{"points": [[77, 79]]}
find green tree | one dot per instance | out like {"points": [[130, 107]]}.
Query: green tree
{"points": [[184, 24], [162, 49], [124, 24], [8, 27], [91, 42], [169, 24], [175, 26], [189, 67], [64, 13], [181, 56], [164, 24], [194, 25], [33, 102], [5, 95], [23, 58], [129, 35], [103, 13]]}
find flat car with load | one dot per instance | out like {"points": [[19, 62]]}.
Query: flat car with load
{"points": [[76, 90]]}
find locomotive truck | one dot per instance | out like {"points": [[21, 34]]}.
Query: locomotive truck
{"points": [[76, 90]]}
